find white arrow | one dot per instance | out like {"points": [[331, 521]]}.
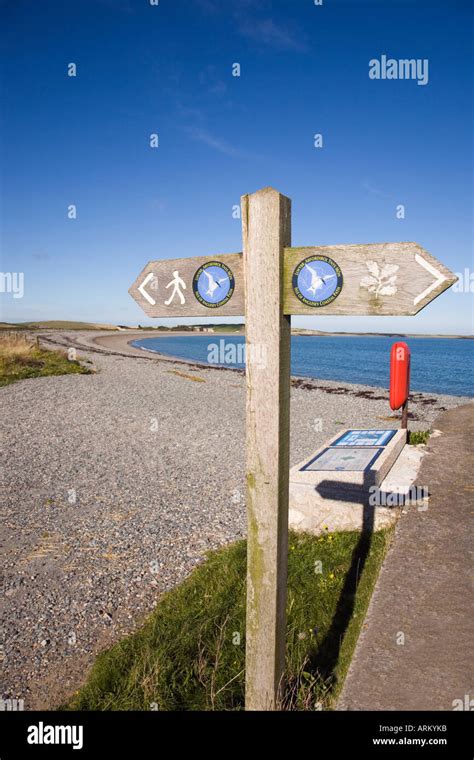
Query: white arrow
{"points": [[142, 290], [440, 278]]}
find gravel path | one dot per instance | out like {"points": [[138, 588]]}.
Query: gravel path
{"points": [[115, 484]]}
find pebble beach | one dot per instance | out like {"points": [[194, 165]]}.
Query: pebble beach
{"points": [[116, 483]]}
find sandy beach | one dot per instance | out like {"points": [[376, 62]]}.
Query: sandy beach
{"points": [[115, 485]]}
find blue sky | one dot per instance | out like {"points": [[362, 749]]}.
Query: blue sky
{"points": [[167, 69]]}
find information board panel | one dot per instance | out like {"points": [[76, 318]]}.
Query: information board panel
{"points": [[351, 459], [365, 438]]}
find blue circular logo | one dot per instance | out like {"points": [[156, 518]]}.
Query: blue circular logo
{"points": [[213, 284], [317, 281]]}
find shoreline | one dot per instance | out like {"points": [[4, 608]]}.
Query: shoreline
{"points": [[119, 345], [123, 343], [301, 331]]}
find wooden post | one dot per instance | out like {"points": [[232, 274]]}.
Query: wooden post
{"points": [[266, 227], [405, 415]]}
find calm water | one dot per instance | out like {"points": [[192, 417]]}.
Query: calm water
{"points": [[438, 365]]}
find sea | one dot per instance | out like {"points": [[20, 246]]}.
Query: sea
{"points": [[438, 365]]}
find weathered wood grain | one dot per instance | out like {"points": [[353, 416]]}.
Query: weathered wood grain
{"points": [[266, 224], [186, 267], [412, 278], [415, 283]]}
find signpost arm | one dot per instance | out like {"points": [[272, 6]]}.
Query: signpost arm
{"points": [[266, 226]]}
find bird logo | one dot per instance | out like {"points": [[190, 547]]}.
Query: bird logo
{"points": [[317, 280], [213, 284]]}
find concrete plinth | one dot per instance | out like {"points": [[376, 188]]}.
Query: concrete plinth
{"points": [[348, 487]]}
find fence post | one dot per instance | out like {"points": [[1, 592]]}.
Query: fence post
{"points": [[266, 229]]}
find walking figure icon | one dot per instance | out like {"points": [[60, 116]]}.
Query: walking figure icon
{"points": [[178, 283]]}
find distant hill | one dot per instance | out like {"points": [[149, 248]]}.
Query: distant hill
{"points": [[319, 333], [55, 325], [216, 327]]}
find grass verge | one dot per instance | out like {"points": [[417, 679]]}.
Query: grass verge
{"points": [[190, 653], [417, 437], [20, 358]]}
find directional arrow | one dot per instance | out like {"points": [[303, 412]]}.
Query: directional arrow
{"points": [[440, 278], [141, 288]]}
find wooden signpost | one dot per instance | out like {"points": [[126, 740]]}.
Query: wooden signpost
{"points": [[377, 279], [268, 283], [194, 287]]}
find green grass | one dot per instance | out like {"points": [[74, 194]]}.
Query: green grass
{"points": [[21, 359], [227, 328], [54, 324], [190, 652], [415, 437]]}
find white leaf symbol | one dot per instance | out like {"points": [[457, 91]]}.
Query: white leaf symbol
{"points": [[373, 268], [381, 282], [389, 269], [367, 281]]}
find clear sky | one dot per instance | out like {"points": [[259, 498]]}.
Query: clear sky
{"points": [[167, 69]]}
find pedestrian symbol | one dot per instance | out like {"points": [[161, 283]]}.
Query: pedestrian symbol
{"points": [[177, 283]]}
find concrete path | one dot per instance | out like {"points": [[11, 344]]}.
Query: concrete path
{"points": [[424, 592]]}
